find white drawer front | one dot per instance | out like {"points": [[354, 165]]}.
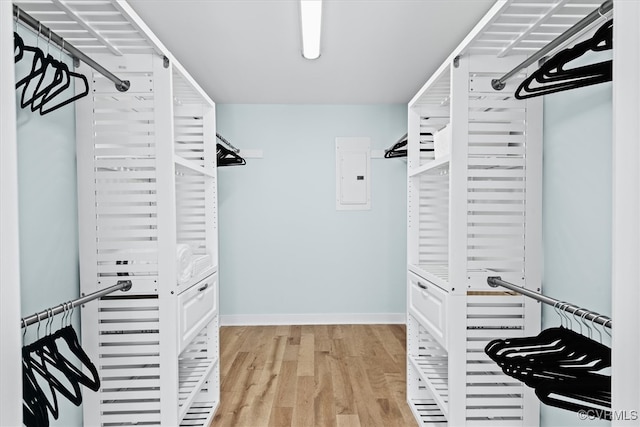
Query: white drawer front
{"points": [[428, 304], [197, 307]]}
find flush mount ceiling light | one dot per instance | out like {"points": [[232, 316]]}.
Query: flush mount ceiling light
{"points": [[311, 19]]}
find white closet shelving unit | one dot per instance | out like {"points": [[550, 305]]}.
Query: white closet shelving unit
{"points": [[146, 186], [10, 337], [476, 212], [625, 372]]}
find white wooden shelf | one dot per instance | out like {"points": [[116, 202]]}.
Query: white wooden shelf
{"points": [[438, 165], [427, 412], [200, 275], [437, 274], [434, 372], [200, 414], [192, 375]]}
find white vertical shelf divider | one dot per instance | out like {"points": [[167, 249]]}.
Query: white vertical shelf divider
{"points": [[211, 206], [10, 356], [456, 321], [533, 233], [626, 211], [167, 236]]}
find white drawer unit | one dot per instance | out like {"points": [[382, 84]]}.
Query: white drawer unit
{"points": [[197, 306], [428, 303]]}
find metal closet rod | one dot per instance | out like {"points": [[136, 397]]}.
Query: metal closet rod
{"points": [[121, 85], [578, 312], [499, 84], [221, 138], [122, 285]]}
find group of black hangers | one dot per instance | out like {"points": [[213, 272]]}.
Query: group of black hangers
{"points": [[567, 369], [553, 76], [399, 149], [52, 366], [226, 156], [47, 87]]}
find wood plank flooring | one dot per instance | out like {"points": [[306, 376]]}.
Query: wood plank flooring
{"points": [[319, 375]]}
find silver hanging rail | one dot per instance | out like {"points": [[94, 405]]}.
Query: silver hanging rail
{"points": [[221, 138], [395, 144], [499, 84], [121, 85], [122, 285], [578, 312]]}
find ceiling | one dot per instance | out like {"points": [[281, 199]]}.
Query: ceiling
{"points": [[372, 51]]}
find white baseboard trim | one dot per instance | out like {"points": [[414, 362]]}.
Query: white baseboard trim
{"points": [[311, 319]]}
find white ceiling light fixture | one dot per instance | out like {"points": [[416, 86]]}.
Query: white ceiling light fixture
{"points": [[311, 19]]}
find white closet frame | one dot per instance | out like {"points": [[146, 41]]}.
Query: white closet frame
{"points": [[147, 183], [10, 338], [139, 196], [625, 384], [452, 312]]}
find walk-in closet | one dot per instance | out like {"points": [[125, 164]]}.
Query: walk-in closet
{"points": [[320, 213]]}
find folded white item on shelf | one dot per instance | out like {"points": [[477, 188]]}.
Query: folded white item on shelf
{"points": [[184, 263]]}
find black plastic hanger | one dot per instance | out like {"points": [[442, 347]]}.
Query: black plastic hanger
{"points": [[18, 47], [397, 149], [553, 76], [557, 346], [44, 359], [37, 65], [227, 157], [40, 87], [54, 362], [64, 88], [62, 84], [43, 363], [70, 338], [591, 393], [48, 401], [554, 69], [34, 401], [49, 78], [563, 366], [557, 353], [499, 348]]}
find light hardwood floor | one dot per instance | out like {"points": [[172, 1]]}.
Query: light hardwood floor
{"points": [[321, 375]]}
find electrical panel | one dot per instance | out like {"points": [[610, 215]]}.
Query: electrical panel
{"points": [[353, 173]]}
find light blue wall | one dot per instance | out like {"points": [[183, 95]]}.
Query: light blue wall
{"points": [[577, 209], [284, 249], [48, 214]]}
